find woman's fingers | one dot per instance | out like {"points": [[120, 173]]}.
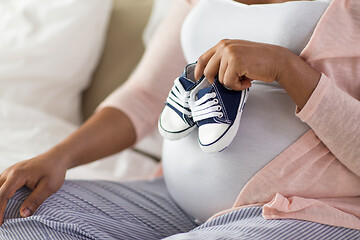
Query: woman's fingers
{"points": [[231, 79], [41, 192], [7, 190], [222, 70], [237, 62], [202, 62], [245, 83], [234, 78], [3, 204], [39, 174], [212, 67], [2, 180]]}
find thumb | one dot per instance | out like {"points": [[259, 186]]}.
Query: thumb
{"points": [[36, 198]]}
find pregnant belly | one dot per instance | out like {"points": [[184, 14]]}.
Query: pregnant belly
{"points": [[204, 184]]}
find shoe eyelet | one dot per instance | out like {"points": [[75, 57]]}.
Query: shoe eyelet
{"points": [[215, 100], [219, 108], [221, 115]]}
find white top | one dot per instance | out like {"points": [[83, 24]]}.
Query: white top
{"points": [[203, 184]]}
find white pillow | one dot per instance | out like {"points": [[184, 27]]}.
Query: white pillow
{"points": [[48, 51]]}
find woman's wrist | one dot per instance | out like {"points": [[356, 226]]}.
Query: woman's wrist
{"points": [[298, 78], [61, 155]]}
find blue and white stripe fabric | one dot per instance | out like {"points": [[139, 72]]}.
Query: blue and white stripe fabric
{"points": [[99, 210], [248, 224], [143, 210]]}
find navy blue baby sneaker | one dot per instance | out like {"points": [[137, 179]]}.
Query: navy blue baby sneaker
{"points": [[215, 109], [217, 112], [175, 121]]}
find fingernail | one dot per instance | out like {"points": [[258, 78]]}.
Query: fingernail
{"points": [[25, 212]]}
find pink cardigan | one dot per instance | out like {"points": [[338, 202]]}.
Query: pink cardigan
{"points": [[317, 178]]}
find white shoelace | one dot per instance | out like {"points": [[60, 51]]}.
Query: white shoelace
{"points": [[179, 98], [206, 107]]}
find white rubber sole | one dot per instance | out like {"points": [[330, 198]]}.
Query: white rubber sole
{"points": [[174, 135], [225, 140]]}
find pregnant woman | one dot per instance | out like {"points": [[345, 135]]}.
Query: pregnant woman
{"points": [[286, 174]]}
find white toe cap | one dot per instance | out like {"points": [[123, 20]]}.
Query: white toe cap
{"points": [[171, 121], [210, 133]]}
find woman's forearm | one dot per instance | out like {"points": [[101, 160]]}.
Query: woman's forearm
{"points": [[298, 78], [106, 132]]}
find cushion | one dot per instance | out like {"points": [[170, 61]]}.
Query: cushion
{"points": [[48, 51]]}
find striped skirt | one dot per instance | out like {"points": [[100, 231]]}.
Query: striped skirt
{"points": [[143, 210]]}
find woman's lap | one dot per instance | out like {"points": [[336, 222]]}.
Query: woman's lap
{"points": [[144, 210], [249, 224], [99, 210]]}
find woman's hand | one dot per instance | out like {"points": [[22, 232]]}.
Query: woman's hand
{"points": [[44, 175], [107, 132], [238, 62]]}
